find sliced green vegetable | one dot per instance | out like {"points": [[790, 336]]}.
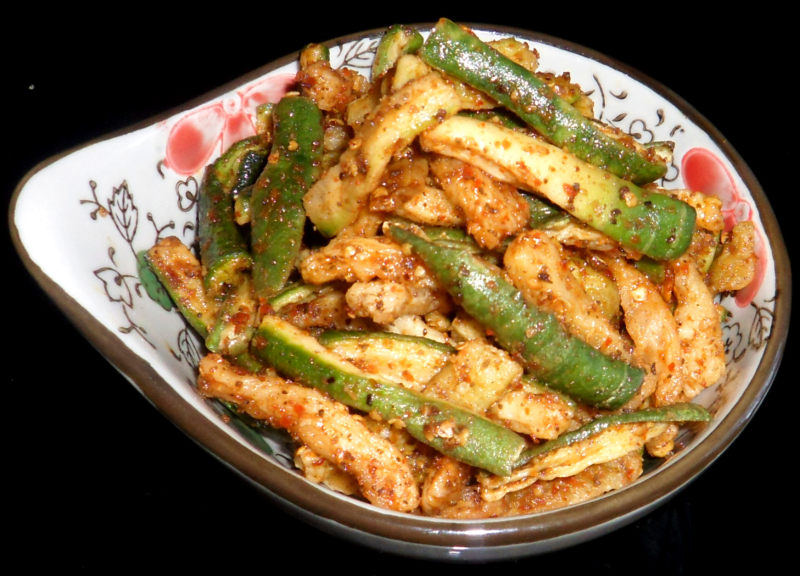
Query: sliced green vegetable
{"points": [[241, 206], [264, 119], [313, 53], [460, 53], [498, 115], [685, 412], [181, 275], [653, 269], [295, 293], [241, 165], [152, 285], [535, 337], [396, 41], [277, 216], [335, 199], [453, 237], [451, 430], [180, 272], [406, 359], [224, 251], [648, 222], [456, 237], [408, 343], [544, 214], [236, 320]]}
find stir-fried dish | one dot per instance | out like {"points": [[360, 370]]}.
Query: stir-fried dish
{"points": [[459, 293]]}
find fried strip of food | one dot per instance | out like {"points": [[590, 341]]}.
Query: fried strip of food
{"points": [[336, 197], [662, 445], [328, 310], [407, 287], [539, 269], [651, 325], [450, 491], [605, 446], [735, 267], [417, 326], [475, 377], [384, 301], [708, 208], [361, 259], [322, 471], [379, 300], [494, 210], [540, 414], [331, 89], [315, 420], [578, 235], [448, 484], [183, 275], [420, 203], [405, 192], [699, 329]]}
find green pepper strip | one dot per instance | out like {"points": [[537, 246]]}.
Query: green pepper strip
{"points": [[451, 430], [277, 215], [396, 41], [224, 251], [330, 337], [176, 267], [461, 54], [534, 336], [650, 222], [684, 412]]}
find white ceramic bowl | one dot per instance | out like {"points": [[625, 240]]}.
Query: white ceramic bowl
{"points": [[79, 220]]}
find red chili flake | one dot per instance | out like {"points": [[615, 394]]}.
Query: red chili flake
{"points": [[571, 190]]}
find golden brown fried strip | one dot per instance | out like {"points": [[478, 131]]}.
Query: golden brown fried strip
{"points": [[450, 492], [699, 329], [494, 210], [325, 426], [651, 325], [735, 267], [539, 269], [404, 286], [604, 446]]}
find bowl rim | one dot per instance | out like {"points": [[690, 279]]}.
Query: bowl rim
{"points": [[417, 535]]}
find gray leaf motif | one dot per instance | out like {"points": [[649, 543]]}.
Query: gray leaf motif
{"points": [[359, 54], [115, 285], [188, 348], [734, 340], [123, 212]]}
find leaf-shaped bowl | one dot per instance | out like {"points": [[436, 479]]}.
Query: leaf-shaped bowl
{"points": [[80, 220]]}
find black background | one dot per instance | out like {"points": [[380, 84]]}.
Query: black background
{"points": [[98, 479]]}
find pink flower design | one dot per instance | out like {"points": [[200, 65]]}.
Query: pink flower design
{"points": [[704, 172], [208, 131]]}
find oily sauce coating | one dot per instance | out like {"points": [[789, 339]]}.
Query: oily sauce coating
{"points": [[322, 424]]}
